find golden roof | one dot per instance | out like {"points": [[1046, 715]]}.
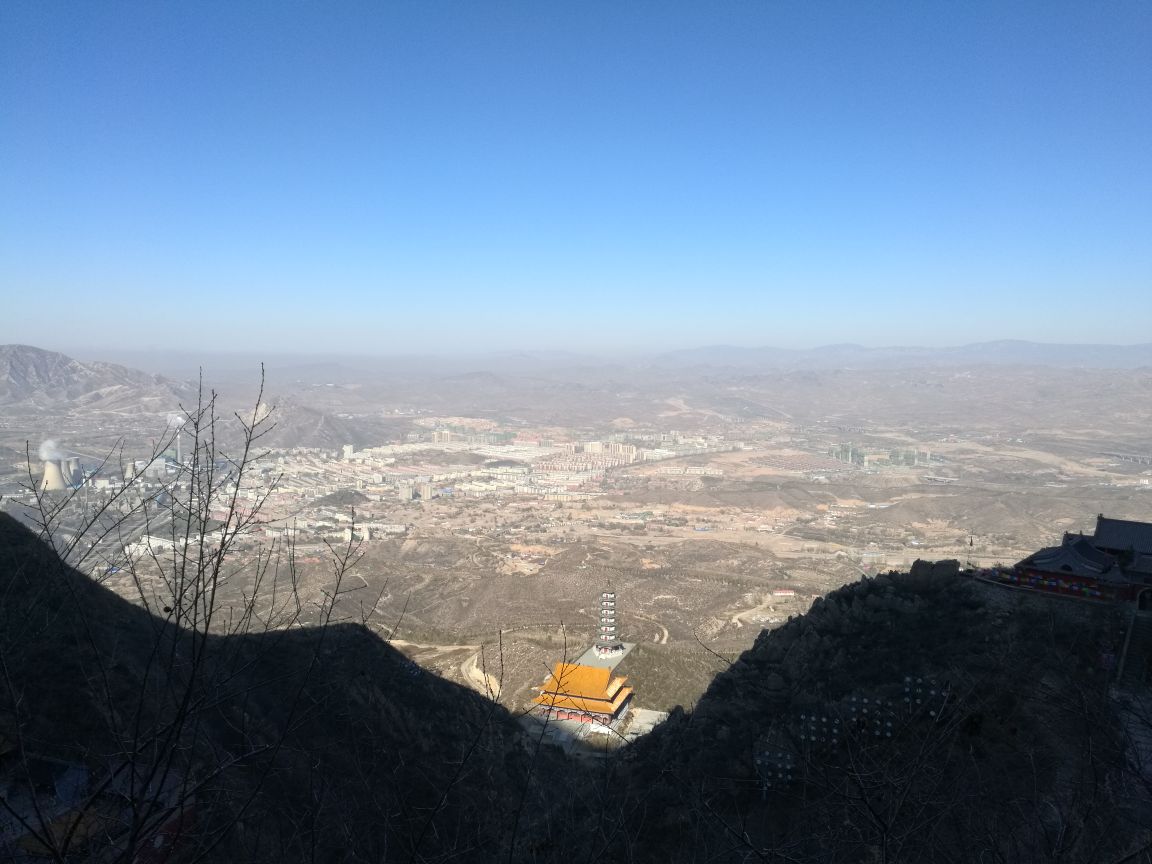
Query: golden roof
{"points": [[584, 688], [573, 679]]}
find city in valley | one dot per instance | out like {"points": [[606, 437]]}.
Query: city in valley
{"points": [[550, 433], [488, 513]]}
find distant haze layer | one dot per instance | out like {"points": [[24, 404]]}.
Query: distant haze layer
{"points": [[528, 362]]}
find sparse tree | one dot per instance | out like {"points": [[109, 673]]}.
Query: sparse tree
{"points": [[167, 755]]}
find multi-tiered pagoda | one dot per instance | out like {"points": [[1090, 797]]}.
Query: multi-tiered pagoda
{"points": [[608, 642]]}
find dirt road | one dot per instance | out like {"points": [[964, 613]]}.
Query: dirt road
{"points": [[738, 618], [478, 679]]}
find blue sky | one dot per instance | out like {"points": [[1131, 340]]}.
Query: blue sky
{"points": [[395, 176]]}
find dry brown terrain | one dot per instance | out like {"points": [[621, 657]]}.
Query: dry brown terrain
{"points": [[839, 473]]}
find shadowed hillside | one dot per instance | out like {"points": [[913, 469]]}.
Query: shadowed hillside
{"points": [[301, 744], [902, 719], [925, 718]]}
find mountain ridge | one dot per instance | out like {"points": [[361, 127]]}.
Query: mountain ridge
{"points": [[36, 377], [1007, 352], [362, 368], [990, 722], [92, 676]]}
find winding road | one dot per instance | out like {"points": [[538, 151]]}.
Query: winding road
{"points": [[660, 638], [476, 678], [738, 618]]}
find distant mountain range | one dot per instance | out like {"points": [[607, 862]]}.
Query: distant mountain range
{"points": [[34, 380], [334, 401], [1001, 353], [45, 379], [354, 368]]}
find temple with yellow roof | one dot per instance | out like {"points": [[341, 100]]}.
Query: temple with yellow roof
{"points": [[589, 694]]}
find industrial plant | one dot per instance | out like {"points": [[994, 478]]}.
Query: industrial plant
{"points": [[61, 473]]}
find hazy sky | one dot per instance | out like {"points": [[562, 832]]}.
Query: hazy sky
{"points": [[397, 176]]}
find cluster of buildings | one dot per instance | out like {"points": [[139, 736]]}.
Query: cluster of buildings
{"points": [[463, 458], [689, 471], [579, 463], [177, 537], [853, 455], [471, 439], [1113, 563], [520, 465], [536, 463]]}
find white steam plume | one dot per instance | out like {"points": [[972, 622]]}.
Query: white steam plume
{"points": [[175, 421], [50, 450]]}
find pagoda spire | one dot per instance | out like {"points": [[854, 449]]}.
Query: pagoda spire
{"points": [[608, 641]]}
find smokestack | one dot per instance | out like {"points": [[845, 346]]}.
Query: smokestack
{"points": [[177, 421], [53, 477]]}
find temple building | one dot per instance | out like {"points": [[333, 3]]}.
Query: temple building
{"points": [[589, 694], [1114, 563]]}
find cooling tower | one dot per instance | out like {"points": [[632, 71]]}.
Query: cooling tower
{"points": [[53, 477], [72, 473]]}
